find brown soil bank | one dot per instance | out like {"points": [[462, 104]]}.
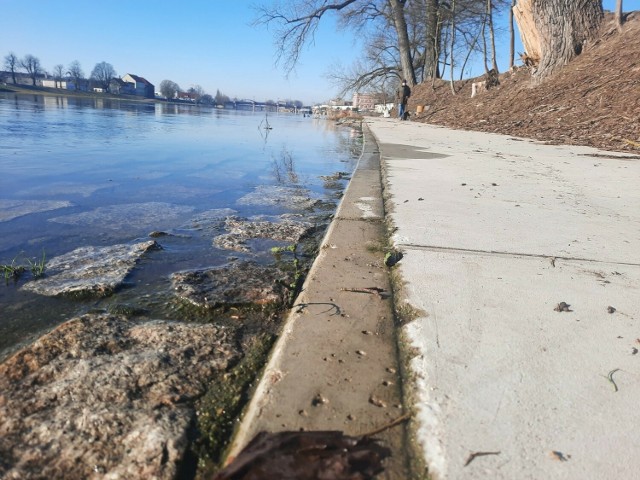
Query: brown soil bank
{"points": [[594, 100]]}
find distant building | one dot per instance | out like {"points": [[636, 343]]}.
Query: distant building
{"points": [[120, 87], [365, 102], [141, 86], [187, 97], [56, 84]]}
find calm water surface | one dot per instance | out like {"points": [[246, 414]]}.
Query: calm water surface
{"points": [[77, 172]]}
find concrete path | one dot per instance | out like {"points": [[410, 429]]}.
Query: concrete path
{"points": [[335, 366], [496, 232]]}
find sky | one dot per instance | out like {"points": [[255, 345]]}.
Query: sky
{"points": [[210, 43]]}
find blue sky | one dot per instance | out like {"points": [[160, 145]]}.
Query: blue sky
{"points": [[210, 43]]}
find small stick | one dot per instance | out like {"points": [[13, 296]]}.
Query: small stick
{"points": [[371, 290], [610, 378], [473, 456], [392, 424]]}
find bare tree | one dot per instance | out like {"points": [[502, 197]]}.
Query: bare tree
{"points": [[221, 98], [555, 32], [102, 73], [404, 46], [492, 36], [299, 21], [298, 24], [58, 75], [32, 65], [197, 91], [75, 72], [11, 63], [169, 89]]}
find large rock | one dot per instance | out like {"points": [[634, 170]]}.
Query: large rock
{"points": [[241, 230], [90, 271], [105, 397], [239, 283]]}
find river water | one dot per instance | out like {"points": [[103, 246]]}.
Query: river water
{"points": [[91, 172]]}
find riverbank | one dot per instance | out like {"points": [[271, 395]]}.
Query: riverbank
{"points": [[336, 364], [26, 89], [167, 261]]}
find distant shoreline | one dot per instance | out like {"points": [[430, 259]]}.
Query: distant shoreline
{"points": [[26, 89]]}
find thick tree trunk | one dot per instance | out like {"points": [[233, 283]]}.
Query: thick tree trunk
{"points": [[554, 32], [400, 23], [433, 40]]}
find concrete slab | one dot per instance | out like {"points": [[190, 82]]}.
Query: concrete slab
{"points": [[496, 232], [335, 365]]}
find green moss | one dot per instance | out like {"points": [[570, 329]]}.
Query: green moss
{"points": [[219, 410]]}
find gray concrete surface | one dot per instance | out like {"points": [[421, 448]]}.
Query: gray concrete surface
{"points": [[496, 232], [335, 365]]}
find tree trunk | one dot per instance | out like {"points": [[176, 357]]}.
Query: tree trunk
{"points": [[453, 41], [404, 45], [554, 32], [492, 36], [619, 16], [484, 44], [512, 37], [433, 40]]}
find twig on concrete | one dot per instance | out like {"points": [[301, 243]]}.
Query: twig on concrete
{"points": [[472, 456], [332, 306], [610, 378], [560, 456], [389, 425], [380, 292]]}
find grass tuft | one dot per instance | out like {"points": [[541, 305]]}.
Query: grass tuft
{"points": [[14, 270]]}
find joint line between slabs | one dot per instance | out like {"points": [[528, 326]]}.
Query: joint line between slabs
{"points": [[511, 254]]}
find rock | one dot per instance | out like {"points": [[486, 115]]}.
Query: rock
{"points": [[335, 181], [90, 271], [237, 283], [563, 307], [275, 195], [241, 230], [104, 397], [210, 220]]}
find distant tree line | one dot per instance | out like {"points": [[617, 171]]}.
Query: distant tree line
{"points": [[103, 75]]}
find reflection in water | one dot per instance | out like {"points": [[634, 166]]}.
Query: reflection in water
{"points": [[284, 169]]}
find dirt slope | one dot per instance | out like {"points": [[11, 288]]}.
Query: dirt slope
{"points": [[595, 100]]}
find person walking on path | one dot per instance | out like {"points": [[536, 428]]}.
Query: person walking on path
{"points": [[402, 97]]}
